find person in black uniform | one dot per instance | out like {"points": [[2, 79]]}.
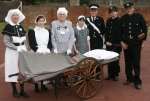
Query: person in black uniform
{"points": [[134, 32], [112, 40], [96, 28]]}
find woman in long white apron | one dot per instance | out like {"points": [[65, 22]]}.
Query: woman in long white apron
{"points": [[40, 42], [14, 37]]}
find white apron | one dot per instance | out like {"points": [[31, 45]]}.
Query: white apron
{"points": [[11, 65]]}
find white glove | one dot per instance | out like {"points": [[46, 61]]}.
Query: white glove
{"points": [[46, 51], [21, 48], [24, 48], [88, 38], [55, 51], [108, 43], [68, 51], [43, 51], [39, 50]]}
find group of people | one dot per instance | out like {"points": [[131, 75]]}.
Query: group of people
{"points": [[127, 32]]}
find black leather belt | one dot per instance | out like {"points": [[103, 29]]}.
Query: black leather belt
{"points": [[18, 44]]}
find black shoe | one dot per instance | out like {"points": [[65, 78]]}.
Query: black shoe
{"points": [[115, 78], [44, 88], [36, 88], [138, 86], [24, 94], [14, 90], [16, 94]]}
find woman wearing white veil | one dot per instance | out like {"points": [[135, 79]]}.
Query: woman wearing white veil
{"points": [[14, 40]]}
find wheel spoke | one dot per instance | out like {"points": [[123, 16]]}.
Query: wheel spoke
{"points": [[81, 87], [85, 89], [77, 83], [86, 70], [92, 85], [94, 70]]}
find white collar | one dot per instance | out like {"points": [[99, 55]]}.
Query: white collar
{"points": [[39, 28], [81, 28], [13, 24]]}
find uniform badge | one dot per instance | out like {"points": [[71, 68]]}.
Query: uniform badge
{"points": [[131, 36], [62, 32], [20, 29], [58, 28]]}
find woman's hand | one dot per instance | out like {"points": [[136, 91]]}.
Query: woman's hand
{"points": [[55, 51], [21, 48], [69, 52], [124, 45], [108, 44], [141, 36]]}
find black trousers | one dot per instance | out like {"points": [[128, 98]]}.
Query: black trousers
{"points": [[114, 67], [132, 63], [96, 43]]}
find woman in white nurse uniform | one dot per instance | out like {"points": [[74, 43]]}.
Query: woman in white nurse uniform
{"points": [[14, 38]]}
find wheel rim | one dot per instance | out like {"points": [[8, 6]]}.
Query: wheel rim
{"points": [[87, 85]]}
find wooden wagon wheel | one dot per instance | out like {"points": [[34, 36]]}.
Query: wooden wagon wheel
{"points": [[87, 78]]}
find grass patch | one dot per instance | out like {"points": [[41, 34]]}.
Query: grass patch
{"points": [[2, 25]]}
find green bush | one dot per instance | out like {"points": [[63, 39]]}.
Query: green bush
{"points": [[2, 25], [84, 2]]}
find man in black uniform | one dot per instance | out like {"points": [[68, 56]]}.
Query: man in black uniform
{"points": [[96, 28], [112, 40], [134, 32]]}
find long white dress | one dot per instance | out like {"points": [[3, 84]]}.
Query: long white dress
{"points": [[11, 65], [11, 53]]}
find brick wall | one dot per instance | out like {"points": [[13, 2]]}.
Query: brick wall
{"points": [[32, 11]]}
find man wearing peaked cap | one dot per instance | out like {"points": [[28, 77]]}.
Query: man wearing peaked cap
{"points": [[134, 32], [112, 9], [93, 6], [112, 40], [96, 27], [128, 4]]}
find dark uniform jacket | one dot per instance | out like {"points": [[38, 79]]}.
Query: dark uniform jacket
{"points": [[113, 33], [96, 39], [14, 31], [132, 26]]}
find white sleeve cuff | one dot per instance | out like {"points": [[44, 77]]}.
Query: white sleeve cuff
{"points": [[88, 38]]}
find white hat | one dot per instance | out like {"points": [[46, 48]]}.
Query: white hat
{"points": [[94, 6], [81, 17], [42, 17], [62, 10], [12, 12]]}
